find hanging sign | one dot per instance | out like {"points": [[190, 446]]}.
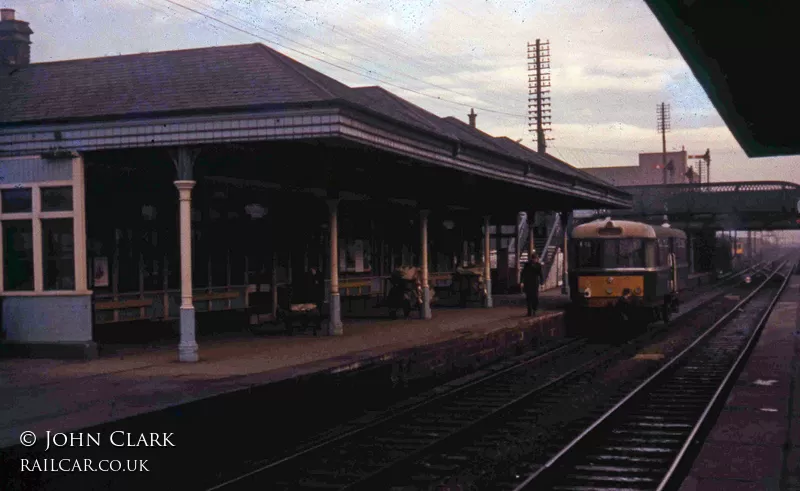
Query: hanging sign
{"points": [[100, 271]]}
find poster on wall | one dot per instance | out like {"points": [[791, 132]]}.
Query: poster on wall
{"points": [[358, 256], [343, 259], [100, 271]]}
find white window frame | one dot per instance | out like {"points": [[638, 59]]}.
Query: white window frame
{"points": [[36, 215]]}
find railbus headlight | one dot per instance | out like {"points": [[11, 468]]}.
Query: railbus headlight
{"points": [[587, 292]]}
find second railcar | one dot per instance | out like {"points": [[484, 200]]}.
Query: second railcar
{"points": [[635, 267]]}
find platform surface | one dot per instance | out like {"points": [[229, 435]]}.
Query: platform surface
{"points": [[38, 395], [755, 442]]}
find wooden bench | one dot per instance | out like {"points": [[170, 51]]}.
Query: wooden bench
{"points": [[117, 305], [124, 304], [205, 297], [435, 278], [353, 289]]}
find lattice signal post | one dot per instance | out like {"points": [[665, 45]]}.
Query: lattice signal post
{"points": [[663, 127], [705, 158], [538, 92]]}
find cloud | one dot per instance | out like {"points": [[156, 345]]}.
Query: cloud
{"points": [[611, 61]]}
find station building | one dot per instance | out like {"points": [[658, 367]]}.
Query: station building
{"points": [[650, 171], [164, 185]]}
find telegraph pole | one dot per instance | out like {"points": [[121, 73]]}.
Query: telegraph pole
{"points": [[538, 90], [663, 127]]}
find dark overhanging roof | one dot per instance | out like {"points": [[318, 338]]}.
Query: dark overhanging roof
{"points": [[221, 79], [743, 54]]}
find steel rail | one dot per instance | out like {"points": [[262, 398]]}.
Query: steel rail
{"points": [[577, 371], [316, 446], [371, 479], [522, 486], [389, 416], [724, 385]]}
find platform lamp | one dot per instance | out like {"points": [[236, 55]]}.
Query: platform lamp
{"points": [[255, 211], [148, 212]]}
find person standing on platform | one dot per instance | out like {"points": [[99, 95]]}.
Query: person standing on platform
{"points": [[316, 287], [532, 279]]}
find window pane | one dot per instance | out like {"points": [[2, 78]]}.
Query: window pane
{"points": [[57, 199], [610, 253], [17, 200], [663, 252], [58, 254], [18, 259], [631, 253], [588, 254]]}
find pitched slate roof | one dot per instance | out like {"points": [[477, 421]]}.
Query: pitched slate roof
{"points": [[184, 80], [391, 105], [216, 78]]}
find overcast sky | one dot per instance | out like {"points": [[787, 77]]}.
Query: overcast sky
{"points": [[612, 63]]}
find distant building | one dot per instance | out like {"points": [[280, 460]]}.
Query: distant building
{"points": [[649, 171]]}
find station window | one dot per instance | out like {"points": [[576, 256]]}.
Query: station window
{"points": [[58, 254], [57, 198], [356, 257], [17, 200], [37, 219], [18, 255]]}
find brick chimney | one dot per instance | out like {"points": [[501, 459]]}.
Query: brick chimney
{"points": [[472, 117], [15, 40]]}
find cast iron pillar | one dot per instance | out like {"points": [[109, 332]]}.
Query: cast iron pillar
{"points": [[564, 216], [426, 290], [335, 320], [184, 159], [487, 265]]}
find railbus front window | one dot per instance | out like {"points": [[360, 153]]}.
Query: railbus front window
{"points": [[651, 254], [630, 254], [588, 254], [610, 253]]}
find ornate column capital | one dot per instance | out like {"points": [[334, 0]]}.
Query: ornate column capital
{"points": [[184, 158]]}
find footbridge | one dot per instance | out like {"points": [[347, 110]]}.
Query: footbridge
{"points": [[753, 205]]}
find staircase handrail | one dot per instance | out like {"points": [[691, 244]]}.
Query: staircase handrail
{"points": [[555, 228]]}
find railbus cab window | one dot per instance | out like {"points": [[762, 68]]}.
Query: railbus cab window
{"points": [[663, 252], [610, 253], [680, 250]]}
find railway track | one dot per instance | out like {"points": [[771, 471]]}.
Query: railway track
{"points": [[640, 442], [338, 460], [527, 431], [364, 457]]}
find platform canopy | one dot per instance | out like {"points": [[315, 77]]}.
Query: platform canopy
{"points": [[251, 94], [744, 55]]}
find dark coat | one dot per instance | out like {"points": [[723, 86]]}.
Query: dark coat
{"points": [[309, 288], [532, 276], [316, 287]]}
